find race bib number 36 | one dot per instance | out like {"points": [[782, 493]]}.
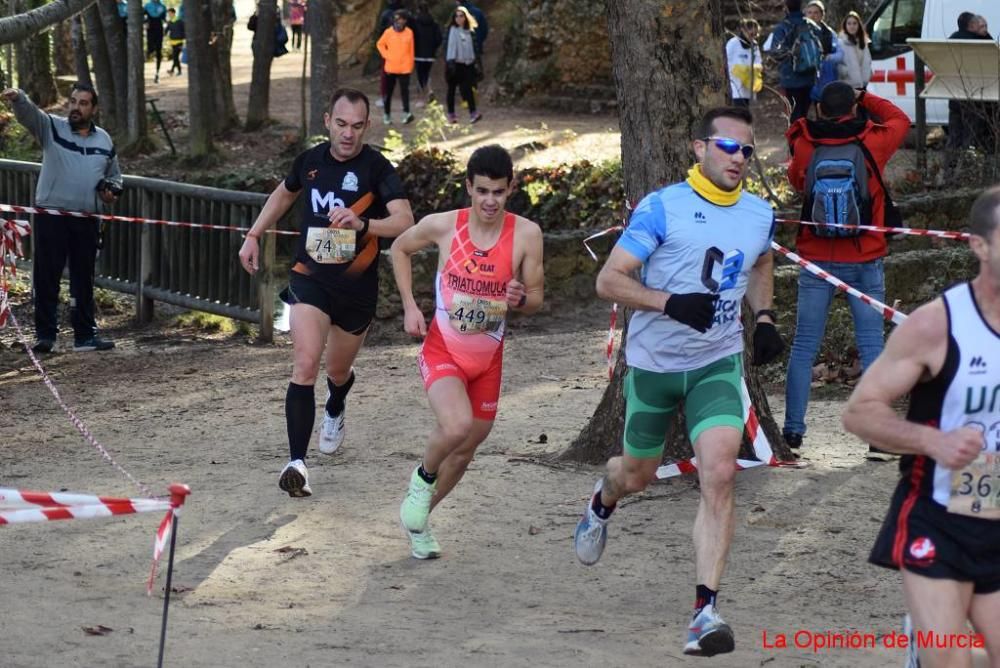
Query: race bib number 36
{"points": [[476, 315], [330, 245], [975, 490]]}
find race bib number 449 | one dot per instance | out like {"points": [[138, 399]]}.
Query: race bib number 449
{"points": [[328, 245], [975, 490], [476, 315]]}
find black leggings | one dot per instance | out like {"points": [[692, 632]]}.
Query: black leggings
{"points": [[296, 36], [175, 56], [404, 90], [423, 72], [463, 78]]}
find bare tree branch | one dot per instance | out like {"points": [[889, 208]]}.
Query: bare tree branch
{"points": [[21, 26]]}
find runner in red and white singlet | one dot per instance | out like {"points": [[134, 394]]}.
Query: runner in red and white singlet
{"points": [[490, 262], [466, 335]]}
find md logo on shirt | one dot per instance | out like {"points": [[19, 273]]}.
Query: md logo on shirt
{"points": [[321, 203], [721, 271]]}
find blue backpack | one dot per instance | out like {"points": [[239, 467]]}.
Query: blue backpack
{"points": [[837, 190], [806, 49]]}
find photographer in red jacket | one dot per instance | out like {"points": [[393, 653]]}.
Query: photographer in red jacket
{"points": [[839, 138]]}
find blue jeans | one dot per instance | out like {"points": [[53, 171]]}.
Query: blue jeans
{"points": [[815, 296]]}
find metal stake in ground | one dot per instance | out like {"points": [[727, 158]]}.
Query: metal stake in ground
{"points": [[177, 495]]}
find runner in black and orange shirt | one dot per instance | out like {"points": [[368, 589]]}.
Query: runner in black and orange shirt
{"points": [[354, 197]]}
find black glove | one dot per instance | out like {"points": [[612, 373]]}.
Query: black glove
{"points": [[694, 309], [767, 343]]}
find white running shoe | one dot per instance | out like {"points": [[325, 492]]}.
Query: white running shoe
{"points": [[295, 479], [912, 651], [331, 433]]}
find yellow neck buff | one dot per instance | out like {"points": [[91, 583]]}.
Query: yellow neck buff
{"points": [[709, 190]]}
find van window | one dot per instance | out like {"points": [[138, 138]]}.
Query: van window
{"points": [[892, 24]]}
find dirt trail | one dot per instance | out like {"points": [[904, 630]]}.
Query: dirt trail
{"points": [[508, 591]]}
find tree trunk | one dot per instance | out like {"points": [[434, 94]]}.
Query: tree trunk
{"points": [[98, 48], [81, 66], [34, 65], [137, 138], [263, 54], [62, 48], [668, 65], [223, 16], [321, 23], [200, 107], [117, 48], [23, 25]]}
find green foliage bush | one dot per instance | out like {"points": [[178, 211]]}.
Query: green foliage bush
{"points": [[583, 195]]}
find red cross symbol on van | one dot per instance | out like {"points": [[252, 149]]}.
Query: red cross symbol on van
{"points": [[899, 76]]}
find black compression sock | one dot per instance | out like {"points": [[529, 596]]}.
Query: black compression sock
{"points": [[601, 510], [338, 393], [300, 413], [703, 596], [429, 478]]}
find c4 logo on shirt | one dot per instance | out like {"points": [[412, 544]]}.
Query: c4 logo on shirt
{"points": [[726, 274]]}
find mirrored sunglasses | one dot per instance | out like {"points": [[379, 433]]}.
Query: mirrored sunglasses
{"points": [[731, 146]]}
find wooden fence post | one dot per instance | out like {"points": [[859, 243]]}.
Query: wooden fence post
{"points": [[143, 304]]}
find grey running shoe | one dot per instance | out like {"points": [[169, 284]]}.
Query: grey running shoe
{"points": [[591, 533], [295, 479], [708, 634]]}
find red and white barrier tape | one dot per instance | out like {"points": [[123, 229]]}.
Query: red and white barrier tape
{"points": [[77, 422], [614, 307], [11, 234], [133, 219], [887, 312], [18, 507], [913, 231]]}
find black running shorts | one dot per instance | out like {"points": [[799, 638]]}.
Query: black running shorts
{"points": [[924, 538], [349, 317]]}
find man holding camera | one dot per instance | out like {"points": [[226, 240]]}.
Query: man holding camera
{"points": [[79, 173]]}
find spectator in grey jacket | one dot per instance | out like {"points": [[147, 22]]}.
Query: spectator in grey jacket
{"points": [[79, 173], [460, 63]]}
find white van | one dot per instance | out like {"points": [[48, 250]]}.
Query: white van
{"points": [[892, 58]]}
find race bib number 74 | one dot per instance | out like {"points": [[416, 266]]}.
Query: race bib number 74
{"points": [[328, 245], [975, 490]]}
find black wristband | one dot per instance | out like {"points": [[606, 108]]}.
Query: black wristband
{"points": [[523, 300], [768, 312], [364, 226]]}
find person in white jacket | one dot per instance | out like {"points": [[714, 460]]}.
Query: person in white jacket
{"points": [[856, 68], [746, 71]]}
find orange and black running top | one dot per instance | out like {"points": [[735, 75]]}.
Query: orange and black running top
{"points": [[471, 291], [343, 261]]}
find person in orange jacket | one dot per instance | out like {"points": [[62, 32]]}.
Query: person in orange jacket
{"points": [[854, 257], [396, 47]]}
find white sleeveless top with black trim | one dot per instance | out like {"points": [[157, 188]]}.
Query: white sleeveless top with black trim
{"points": [[966, 392]]}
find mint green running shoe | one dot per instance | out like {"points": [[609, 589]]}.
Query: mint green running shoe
{"points": [[417, 505], [423, 545]]}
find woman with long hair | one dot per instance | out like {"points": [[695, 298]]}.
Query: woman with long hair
{"points": [[460, 63], [857, 66]]}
